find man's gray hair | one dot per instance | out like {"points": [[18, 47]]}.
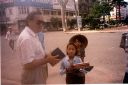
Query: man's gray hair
{"points": [[32, 15]]}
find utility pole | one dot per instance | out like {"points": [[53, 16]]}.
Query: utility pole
{"points": [[63, 4], [78, 18], [76, 13]]}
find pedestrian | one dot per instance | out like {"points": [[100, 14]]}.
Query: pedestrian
{"points": [[81, 42], [124, 45], [29, 48], [11, 37], [8, 34], [74, 74]]}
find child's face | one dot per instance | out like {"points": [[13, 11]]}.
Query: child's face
{"points": [[71, 50], [77, 43]]}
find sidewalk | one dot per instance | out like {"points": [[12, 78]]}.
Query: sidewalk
{"points": [[117, 29]]}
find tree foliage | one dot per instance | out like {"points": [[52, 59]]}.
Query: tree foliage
{"points": [[98, 10], [71, 23], [55, 23]]}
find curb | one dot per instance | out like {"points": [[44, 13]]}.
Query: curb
{"points": [[107, 31]]}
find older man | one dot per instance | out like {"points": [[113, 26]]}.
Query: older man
{"points": [[31, 52]]}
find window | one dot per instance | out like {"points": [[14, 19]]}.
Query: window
{"points": [[27, 10], [55, 1], [59, 12], [23, 10], [71, 14], [0, 13], [53, 12], [3, 12], [46, 12], [22, 0], [67, 13], [38, 8], [19, 8], [11, 1], [10, 11]]}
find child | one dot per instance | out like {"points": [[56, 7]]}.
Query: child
{"points": [[81, 42], [74, 74]]}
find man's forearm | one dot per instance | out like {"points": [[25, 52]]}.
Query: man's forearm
{"points": [[36, 63]]}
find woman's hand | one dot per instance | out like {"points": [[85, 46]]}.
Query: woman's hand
{"points": [[70, 69], [80, 65]]}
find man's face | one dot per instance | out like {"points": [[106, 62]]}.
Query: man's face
{"points": [[37, 23]]}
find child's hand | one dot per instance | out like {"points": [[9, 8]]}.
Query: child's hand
{"points": [[81, 65], [70, 69], [89, 68]]}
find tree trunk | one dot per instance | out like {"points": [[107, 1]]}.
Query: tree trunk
{"points": [[116, 12], [104, 18], [119, 13]]}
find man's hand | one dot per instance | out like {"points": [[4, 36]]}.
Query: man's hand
{"points": [[53, 59], [126, 50]]}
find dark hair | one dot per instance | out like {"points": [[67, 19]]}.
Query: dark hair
{"points": [[81, 38], [32, 15], [74, 46]]}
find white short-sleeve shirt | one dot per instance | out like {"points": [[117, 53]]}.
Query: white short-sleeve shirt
{"points": [[29, 47]]}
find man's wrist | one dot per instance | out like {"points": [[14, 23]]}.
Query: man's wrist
{"points": [[126, 50], [46, 60]]}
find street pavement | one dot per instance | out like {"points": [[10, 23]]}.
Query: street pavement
{"points": [[103, 53], [115, 29]]}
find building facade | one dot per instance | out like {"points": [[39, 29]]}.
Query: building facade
{"points": [[14, 12], [114, 14]]}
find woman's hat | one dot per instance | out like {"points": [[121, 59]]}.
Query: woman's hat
{"points": [[81, 38]]}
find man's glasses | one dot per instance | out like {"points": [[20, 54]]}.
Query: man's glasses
{"points": [[40, 22]]}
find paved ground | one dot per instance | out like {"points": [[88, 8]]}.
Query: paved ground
{"points": [[115, 29], [103, 52]]}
